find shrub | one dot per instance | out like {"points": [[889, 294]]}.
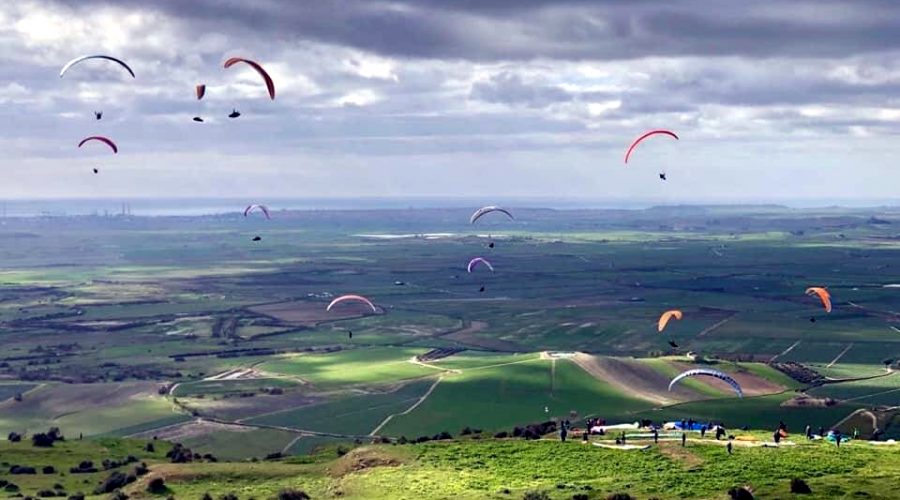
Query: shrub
{"points": [[46, 493], [77, 496], [42, 440], [740, 493], [580, 496], [228, 496], [118, 495], [342, 450], [536, 495], [619, 496], [22, 469], [800, 487], [141, 469], [157, 486], [150, 448], [14, 437], [501, 435], [48, 469], [292, 494], [206, 496], [113, 482]]}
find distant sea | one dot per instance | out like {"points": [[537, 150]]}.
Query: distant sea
{"points": [[150, 207]]}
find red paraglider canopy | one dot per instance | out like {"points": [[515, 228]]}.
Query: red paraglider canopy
{"points": [[102, 139], [201, 91], [648, 134], [270, 85]]}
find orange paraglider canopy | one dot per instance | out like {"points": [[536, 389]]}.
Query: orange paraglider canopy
{"points": [[270, 85], [823, 294], [666, 316]]}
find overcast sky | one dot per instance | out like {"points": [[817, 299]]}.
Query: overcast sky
{"points": [[773, 100]]}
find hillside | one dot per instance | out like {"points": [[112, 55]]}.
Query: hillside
{"points": [[477, 468]]}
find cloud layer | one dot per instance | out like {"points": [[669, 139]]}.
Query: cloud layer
{"points": [[468, 98]]}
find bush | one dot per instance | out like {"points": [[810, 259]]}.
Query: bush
{"points": [[42, 440], [342, 450], [141, 469], [157, 486], [22, 469], [619, 496], [119, 495], [14, 437], [292, 494], [228, 496], [85, 467], [150, 448], [501, 435], [402, 440], [11, 487], [466, 431], [580, 496], [113, 482], [800, 487], [740, 493], [536, 495], [77, 496], [48, 469], [46, 493], [206, 496]]}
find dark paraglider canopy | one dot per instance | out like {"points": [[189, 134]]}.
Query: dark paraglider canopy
{"points": [[198, 119], [491, 245], [812, 319], [257, 238], [673, 344], [662, 176], [96, 171], [350, 333], [98, 114], [234, 114], [481, 289]]}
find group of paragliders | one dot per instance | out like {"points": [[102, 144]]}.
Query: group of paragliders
{"points": [[821, 293], [200, 90], [98, 115], [475, 263]]}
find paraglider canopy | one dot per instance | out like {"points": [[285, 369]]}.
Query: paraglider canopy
{"points": [[709, 373], [666, 316], [270, 85], [262, 208], [486, 210], [823, 295], [352, 298], [478, 260], [201, 91], [102, 139], [646, 135], [77, 60]]}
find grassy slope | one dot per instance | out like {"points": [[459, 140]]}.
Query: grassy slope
{"points": [[485, 468], [495, 398], [355, 366]]}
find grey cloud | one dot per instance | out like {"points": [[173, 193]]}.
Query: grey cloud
{"points": [[561, 29]]}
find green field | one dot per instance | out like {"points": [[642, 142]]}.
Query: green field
{"points": [[107, 314]]}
